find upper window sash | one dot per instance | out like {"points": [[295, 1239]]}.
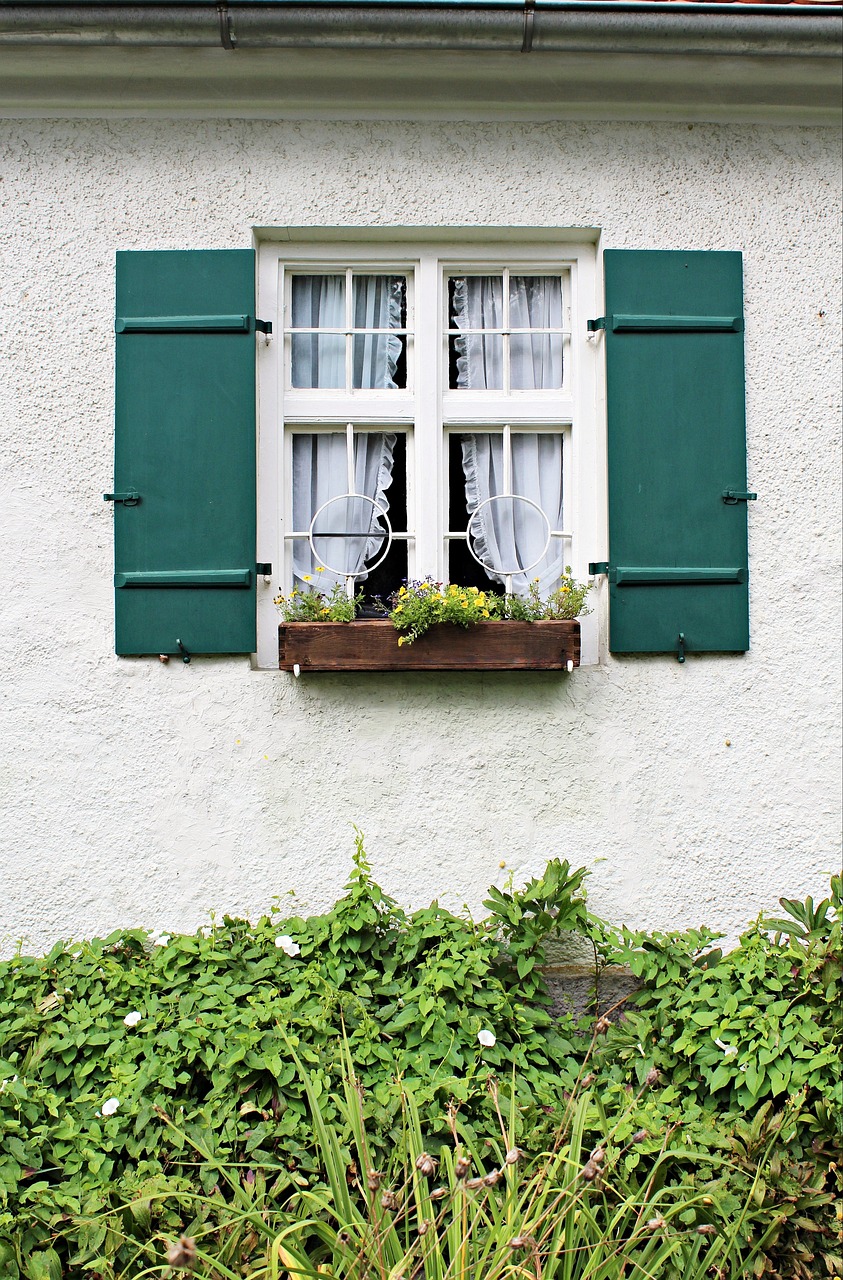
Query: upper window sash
{"points": [[342, 356]]}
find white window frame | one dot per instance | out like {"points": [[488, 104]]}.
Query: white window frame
{"points": [[427, 409]]}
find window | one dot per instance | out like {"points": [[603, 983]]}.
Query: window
{"points": [[440, 377], [419, 414]]}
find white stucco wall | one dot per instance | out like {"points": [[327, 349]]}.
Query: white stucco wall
{"points": [[138, 793]]}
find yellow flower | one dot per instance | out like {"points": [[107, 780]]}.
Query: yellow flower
{"points": [[400, 639], [402, 591], [326, 610], [399, 608], [465, 604], [484, 613], [306, 578], [320, 568], [565, 588], [474, 590]]}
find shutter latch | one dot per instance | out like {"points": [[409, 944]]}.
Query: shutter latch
{"points": [[264, 327], [733, 496], [594, 327], [598, 566], [130, 498], [680, 647], [185, 656]]}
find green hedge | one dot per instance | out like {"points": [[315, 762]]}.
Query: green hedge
{"points": [[746, 1046]]}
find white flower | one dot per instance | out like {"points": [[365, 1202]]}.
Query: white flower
{"points": [[110, 1106], [159, 939], [729, 1050], [287, 945], [132, 1019], [487, 1038]]}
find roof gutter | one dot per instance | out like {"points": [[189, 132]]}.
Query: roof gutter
{"points": [[554, 26]]}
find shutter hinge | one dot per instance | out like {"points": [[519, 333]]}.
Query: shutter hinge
{"points": [[130, 498], [732, 496], [598, 566], [594, 326], [263, 569]]}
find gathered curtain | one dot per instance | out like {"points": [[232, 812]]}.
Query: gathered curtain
{"points": [[318, 359], [510, 535], [320, 473]]}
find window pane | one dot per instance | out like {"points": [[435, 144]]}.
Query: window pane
{"points": [[535, 302], [514, 509], [535, 361], [475, 357], [318, 302], [348, 530], [318, 360], [379, 359], [380, 302]]}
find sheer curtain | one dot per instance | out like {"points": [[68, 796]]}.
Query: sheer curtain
{"points": [[535, 360], [511, 534], [320, 459], [320, 472], [318, 359]]}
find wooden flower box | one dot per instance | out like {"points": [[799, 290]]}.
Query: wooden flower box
{"points": [[373, 646]]}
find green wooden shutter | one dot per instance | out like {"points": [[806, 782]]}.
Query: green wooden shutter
{"points": [[677, 444], [185, 443]]}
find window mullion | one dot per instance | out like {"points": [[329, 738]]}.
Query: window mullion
{"points": [[428, 442], [505, 338], [349, 324]]}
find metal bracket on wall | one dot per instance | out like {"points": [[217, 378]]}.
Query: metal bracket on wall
{"points": [[130, 498], [228, 40], [529, 19], [598, 566], [733, 496]]}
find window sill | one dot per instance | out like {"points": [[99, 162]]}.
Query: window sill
{"points": [[373, 646]]}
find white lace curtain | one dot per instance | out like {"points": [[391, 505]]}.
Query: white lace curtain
{"points": [[512, 534], [320, 459]]}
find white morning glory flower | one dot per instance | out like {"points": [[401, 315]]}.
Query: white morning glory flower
{"points": [[287, 945], [110, 1106], [729, 1050], [132, 1019], [488, 1039]]}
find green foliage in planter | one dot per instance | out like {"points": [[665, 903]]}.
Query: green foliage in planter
{"points": [[194, 1036], [312, 605], [421, 605]]}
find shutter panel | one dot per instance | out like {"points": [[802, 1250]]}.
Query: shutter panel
{"points": [[185, 443], [677, 444]]}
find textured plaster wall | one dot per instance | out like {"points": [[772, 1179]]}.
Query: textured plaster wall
{"points": [[137, 793]]}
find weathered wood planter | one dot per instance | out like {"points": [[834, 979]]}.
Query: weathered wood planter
{"points": [[373, 646]]}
